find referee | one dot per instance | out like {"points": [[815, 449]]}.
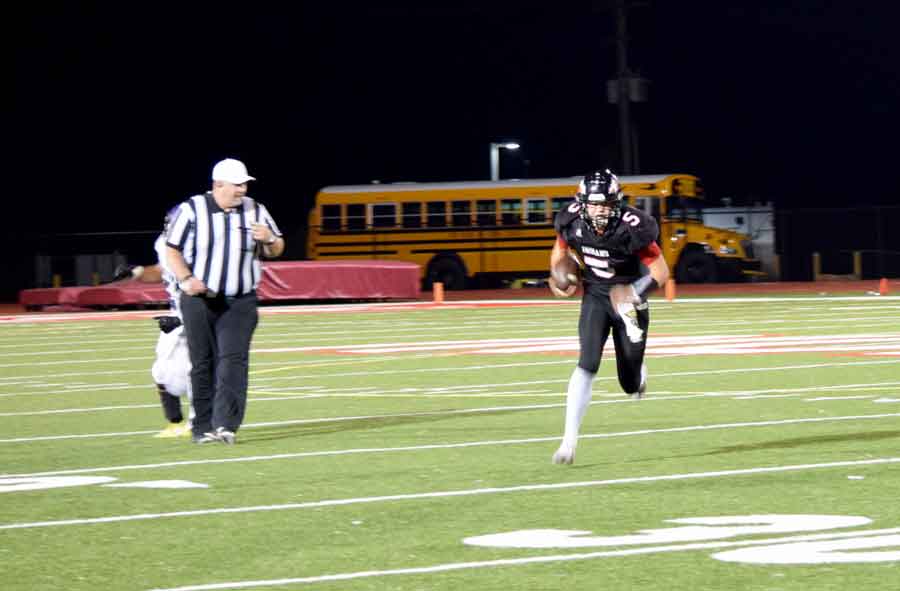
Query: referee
{"points": [[213, 248]]}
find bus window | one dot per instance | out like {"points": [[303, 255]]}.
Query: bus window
{"points": [[462, 213], [511, 212], [537, 211], [437, 214], [685, 209], [649, 205], [331, 218], [486, 212], [558, 204], [412, 215], [356, 216], [384, 215]]}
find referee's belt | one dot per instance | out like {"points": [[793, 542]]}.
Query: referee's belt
{"points": [[214, 295]]}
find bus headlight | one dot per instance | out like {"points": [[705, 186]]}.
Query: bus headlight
{"points": [[726, 247]]}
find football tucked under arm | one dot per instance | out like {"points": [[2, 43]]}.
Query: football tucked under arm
{"points": [[564, 270]]}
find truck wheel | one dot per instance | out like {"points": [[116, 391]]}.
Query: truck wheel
{"points": [[696, 266], [448, 271]]}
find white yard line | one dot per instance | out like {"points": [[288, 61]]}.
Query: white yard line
{"points": [[363, 333], [280, 366], [787, 322], [474, 390], [453, 493], [456, 566], [276, 398], [68, 351], [148, 359], [660, 343], [413, 448], [99, 317], [400, 306], [571, 362]]}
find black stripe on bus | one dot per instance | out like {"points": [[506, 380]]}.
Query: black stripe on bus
{"points": [[447, 241], [441, 229], [486, 249], [356, 252], [431, 251]]}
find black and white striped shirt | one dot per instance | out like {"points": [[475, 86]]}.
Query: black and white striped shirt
{"points": [[218, 245]]}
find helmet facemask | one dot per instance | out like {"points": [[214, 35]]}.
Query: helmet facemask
{"points": [[601, 200], [603, 215]]}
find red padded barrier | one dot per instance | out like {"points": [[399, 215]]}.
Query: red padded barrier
{"points": [[122, 293], [43, 296], [281, 280], [326, 280]]}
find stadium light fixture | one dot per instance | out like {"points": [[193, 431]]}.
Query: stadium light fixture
{"points": [[495, 156]]}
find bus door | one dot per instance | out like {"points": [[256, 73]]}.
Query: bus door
{"points": [[650, 206], [486, 220], [680, 211], [383, 222]]}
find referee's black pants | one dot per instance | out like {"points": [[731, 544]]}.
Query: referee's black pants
{"points": [[218, 334]]}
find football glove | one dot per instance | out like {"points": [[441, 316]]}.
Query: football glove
{"points": [[123, 271], [168, 323]]}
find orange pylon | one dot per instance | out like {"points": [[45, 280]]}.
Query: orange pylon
{"points": [[438, 289], [883, 287], [670, 289]]}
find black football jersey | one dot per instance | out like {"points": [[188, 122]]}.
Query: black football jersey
{"points": [[613, 257]]}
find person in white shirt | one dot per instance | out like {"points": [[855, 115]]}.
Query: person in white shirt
{"points": [[172, 367]]}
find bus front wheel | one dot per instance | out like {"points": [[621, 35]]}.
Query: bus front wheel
{"points": [[695, 266], [447, 270]]}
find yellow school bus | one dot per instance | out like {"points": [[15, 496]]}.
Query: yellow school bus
{"points": [[462, 233]]}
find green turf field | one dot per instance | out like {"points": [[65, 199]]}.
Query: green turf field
{"points": [[408, 448]]}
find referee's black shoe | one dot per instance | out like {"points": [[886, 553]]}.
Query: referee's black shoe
{"points": [[225, 436], [205, 438]]}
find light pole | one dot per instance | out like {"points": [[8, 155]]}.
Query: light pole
{"points": [[495, 156]]}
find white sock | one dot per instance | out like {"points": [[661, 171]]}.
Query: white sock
{"points": [[190, 398], [578, 398]]}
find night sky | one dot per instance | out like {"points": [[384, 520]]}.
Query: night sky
{"points": [[119, 110]]}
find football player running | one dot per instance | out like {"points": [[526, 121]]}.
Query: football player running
{"points": [[622, 263], [172, 368]]}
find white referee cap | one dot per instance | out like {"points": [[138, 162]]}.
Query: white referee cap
{"points": [[231, 171]]}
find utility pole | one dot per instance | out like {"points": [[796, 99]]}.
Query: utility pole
{"points": [[626, 89], [624, 75]]}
